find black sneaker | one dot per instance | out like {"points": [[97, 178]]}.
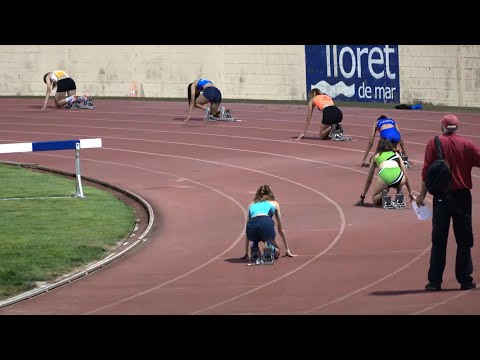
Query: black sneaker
{"points": [[267, 255], [255, 256], [468, 286], [432, 287]]}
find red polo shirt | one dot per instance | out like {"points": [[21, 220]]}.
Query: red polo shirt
{"points": [[460, 154]]}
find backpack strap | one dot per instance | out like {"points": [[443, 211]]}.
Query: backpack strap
{"points": [[438, 146]]}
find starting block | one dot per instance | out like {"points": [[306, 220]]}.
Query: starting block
{"points": [[387, 202], [82, 102], [336, 133], [225, 115], [400, 200]]}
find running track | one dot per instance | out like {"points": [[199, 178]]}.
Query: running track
{"points": [[199, 179]]}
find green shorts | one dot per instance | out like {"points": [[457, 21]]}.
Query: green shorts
{"points": [[391, 176]]}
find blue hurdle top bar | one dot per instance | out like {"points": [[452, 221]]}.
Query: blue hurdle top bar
{"points": [[50, 145]]}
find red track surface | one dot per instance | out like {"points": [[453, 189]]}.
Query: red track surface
{"points": [[199, 178]]}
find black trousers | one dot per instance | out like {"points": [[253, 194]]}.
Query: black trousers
{"points": [[455, 205]]}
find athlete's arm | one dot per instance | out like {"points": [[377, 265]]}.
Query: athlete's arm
{"points": [[281, 231], [49, 90], [307, 120], [370, 144], [401, 140], [192, 97], [407, 183], [245, 255], [368, 182]]}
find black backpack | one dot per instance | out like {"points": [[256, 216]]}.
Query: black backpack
{"points": [[438, 173]]}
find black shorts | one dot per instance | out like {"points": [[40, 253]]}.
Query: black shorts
{"points": [[260, 228], [397, 182], [332, 115], [212, 94], [65, 85]]}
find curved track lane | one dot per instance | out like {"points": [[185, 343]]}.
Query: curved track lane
{"points": [[199, 178]]}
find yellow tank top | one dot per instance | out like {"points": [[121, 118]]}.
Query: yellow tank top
{"points": [[60, 73]]}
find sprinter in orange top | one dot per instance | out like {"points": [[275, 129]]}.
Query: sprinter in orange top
{"points": [[331, 114]]}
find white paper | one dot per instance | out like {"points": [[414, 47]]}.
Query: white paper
{"points": [[423, 212]]}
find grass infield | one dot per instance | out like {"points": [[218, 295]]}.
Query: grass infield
{"points": [[46, 233]]}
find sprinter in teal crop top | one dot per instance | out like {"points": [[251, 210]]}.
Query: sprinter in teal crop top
{"points": [[261, 208], [260, 226]]}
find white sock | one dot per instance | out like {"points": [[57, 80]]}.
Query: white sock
{"points": [[70, 98]]}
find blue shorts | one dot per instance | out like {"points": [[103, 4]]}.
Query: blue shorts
{"points": [[260, 228], [392, 135], [213, 95]]}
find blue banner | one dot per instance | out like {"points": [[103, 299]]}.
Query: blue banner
{"points": [[363, 73]]}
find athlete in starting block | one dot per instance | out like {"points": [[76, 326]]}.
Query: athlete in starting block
{"points": [[392, 174], [202, 92], [388, 129], [261, 228], [65, 85], [332, 115]]}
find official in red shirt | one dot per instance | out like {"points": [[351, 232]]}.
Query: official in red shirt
{"points": [[455, 203]]}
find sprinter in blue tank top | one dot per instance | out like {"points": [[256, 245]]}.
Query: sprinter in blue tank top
{"points": [[261, 227], [202, 92], [388, 129]]}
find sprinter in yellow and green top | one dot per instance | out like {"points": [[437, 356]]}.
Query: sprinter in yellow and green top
{"points": [[392, 173]]}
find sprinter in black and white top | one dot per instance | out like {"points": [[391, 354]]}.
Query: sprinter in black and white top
{"points": [[65, 86]]}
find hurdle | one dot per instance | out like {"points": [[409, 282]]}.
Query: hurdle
{"points": [[57, 145]]}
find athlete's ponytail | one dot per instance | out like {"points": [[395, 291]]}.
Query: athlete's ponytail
{"points": [[197, 94], [314, 92]]}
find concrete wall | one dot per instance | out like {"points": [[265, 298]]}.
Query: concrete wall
{"points": [[440, 74], [240, 72], [434, 74]]}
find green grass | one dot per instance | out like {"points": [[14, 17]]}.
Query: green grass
{"points": [[41, 239]]}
